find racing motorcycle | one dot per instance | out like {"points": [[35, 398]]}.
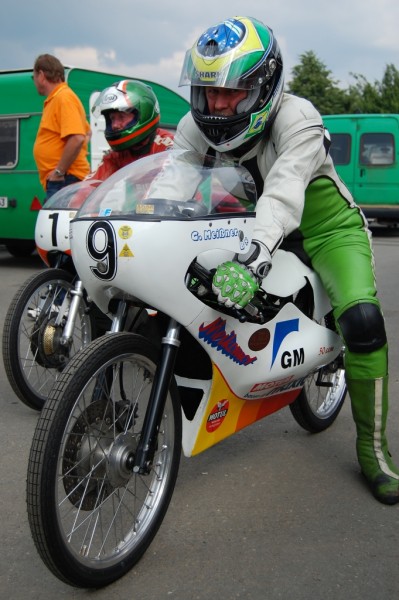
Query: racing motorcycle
{"points": [[50, 318], [105, 453]]}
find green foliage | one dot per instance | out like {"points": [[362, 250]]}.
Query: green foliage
{"points": [[363, 97], [311, 79]]}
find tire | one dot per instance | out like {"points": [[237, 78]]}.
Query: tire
{"points": [[90, 516], [21, 248], [32, 354], [322, 397]]}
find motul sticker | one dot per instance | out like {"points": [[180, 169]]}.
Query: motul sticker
{"points": [[217, 416]]}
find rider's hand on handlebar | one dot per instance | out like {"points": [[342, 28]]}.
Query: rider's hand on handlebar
{"points": [[235, 283]]}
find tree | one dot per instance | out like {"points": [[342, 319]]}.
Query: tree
{"points": [[363, 96], [379, 97], [312, 80], [389, 90]]}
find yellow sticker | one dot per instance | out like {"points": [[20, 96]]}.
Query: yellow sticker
{"points": [[145, 209], [126, 252], [125, 232]]}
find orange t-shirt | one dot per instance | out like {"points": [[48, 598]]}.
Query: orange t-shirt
{"points": [[63, 115]]}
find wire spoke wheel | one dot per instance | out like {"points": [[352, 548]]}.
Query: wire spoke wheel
{"points": [[32, 350], [91, 517], [322, 397]]}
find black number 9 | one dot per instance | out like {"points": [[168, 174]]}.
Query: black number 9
{"points": [[101, 246]]}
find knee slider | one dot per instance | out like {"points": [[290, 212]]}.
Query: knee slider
{"points": [[363, 328]]}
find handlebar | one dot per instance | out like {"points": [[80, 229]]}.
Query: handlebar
{"points": [[203, 275], [258, 310]]}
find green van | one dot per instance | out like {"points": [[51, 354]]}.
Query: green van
{"points": [[365, 150], [21, 195]]}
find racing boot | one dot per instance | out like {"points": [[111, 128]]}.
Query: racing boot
{"points": [[369, 399]]}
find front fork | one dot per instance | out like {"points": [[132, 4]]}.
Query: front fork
{"points": [[152, 421], [118, 322], [77, 295]]}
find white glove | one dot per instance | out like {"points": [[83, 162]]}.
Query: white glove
{"points": [[258, 259]]}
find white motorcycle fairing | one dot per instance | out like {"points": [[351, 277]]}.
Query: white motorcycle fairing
{"points": [[126, 244], [52, 223]]}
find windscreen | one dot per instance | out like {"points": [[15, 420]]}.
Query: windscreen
{"points": [[174, 184], [71, 196]]}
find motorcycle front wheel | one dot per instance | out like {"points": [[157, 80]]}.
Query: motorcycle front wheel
{"points": [[91, 517], [32, 353], [321, 398]]}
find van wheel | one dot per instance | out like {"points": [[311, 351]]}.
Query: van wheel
{"points": [[21, 248]]}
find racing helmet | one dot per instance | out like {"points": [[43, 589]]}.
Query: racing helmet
{"points": [[133, 97], [239, 53]]}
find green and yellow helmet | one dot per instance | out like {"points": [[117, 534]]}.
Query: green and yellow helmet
{"points": [[239, 53], [133, 97]]}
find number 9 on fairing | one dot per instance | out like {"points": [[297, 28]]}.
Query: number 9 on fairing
{"points": [[101, 247]]}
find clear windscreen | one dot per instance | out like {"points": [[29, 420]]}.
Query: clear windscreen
{"points": [[173, 184], [71, 196]]}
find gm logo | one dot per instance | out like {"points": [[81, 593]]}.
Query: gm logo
{"points": [[293, 359]]}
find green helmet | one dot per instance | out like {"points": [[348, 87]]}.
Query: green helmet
{"points": [[133, 97], [239, 53]]}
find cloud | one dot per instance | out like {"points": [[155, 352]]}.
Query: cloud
{"points": [[165, 71], [148, 40], [82, 56]]}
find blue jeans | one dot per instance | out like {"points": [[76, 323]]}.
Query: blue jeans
{"points": [[53, 186]]}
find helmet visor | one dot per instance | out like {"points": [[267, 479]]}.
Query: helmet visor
{"points": [[111, 99], [234, 69]]}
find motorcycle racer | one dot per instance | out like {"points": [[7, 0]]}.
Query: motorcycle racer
{"points": [[238, 107], [132, 115]]}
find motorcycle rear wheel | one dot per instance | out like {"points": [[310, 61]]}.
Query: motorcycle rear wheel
{"points": [[321, 398], [91, 517], [32, 354]]}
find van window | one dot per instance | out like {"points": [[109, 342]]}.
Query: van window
{"points": [[377, 149], [8, 143], [340, 148]]}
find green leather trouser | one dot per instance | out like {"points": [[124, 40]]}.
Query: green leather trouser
{"points": [[338, 242]]}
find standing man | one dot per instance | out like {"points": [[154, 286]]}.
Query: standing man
{"points": [[60, 148]]}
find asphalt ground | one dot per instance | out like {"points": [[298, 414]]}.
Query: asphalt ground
{"points": [[270, 513]]}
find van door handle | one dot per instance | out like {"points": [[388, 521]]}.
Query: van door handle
{"points": [[362, 172]]}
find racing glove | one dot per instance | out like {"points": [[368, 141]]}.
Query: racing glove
{"points": [[236, 282]]}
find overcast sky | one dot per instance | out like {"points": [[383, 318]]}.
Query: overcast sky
{"points": [[148, 38]]}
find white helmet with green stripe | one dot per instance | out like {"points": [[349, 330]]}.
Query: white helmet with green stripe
{"points": [[135, 98]]}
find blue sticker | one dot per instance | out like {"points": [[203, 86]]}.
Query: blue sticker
{"points": [[280, 333]]}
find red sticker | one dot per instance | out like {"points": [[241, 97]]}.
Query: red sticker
{"points": [[217, 416], [259, 340]]}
